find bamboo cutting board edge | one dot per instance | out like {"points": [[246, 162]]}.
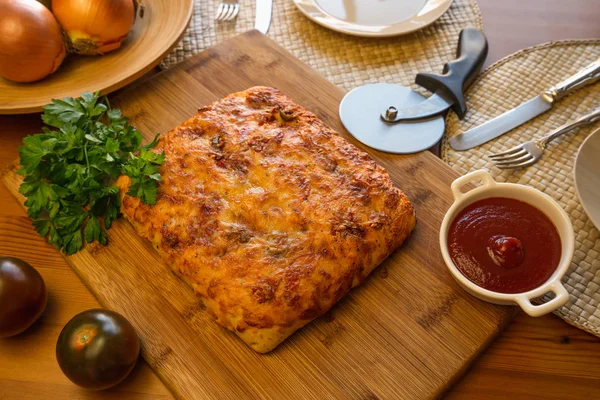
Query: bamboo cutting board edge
{"points": [[500, 316]]}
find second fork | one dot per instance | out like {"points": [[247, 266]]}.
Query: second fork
{"points": [[528, 153], [227, 10]]}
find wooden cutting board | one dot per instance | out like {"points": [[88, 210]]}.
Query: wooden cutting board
{"points": [[408, 332]]}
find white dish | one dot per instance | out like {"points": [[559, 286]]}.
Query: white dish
{"points": [[544, 203], [587, 176], [373, 18]]}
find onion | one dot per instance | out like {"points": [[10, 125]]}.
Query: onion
{"points": [[94, 26], [47, 3], [31, 46]]}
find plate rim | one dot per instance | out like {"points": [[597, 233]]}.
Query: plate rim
{"points": [[595, 132], [28, 109], [307, 7]]}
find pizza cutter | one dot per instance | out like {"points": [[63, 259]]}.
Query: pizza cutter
{"points": [[396, 119]]}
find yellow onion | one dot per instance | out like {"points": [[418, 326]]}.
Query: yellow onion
{"points": [[31, 46], [47, 3], [94, 26]]}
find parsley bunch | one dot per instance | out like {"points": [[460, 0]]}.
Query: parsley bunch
{"points": [[70, 171]]}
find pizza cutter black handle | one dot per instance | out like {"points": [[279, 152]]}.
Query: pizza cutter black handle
{"points": [[458, 74]]}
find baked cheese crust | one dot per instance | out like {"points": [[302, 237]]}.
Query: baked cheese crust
{"points": [[269, 214]]}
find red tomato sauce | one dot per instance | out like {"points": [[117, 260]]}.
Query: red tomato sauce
{"points": [[504, 245]]}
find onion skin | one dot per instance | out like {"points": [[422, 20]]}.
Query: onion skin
{"points": [[47, 3], [31, 45], [94, 26]]}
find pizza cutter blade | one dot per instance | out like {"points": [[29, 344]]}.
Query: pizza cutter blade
{"points": [[360, 112], [395, 119]]}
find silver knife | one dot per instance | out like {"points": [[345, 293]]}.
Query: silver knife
{"points": [[264, 9], [526, 111]]}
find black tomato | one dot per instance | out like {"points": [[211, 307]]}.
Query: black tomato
{"points": [[23, 296], [97, 349]]}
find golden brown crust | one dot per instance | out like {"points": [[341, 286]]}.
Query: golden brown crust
{"points": [[268, 213]]}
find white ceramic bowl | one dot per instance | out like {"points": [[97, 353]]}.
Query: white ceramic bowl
{"points": [[544, 203], [587, 176]]}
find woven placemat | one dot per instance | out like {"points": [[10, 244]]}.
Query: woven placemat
{"points": [[505, 85], [345, 60]]}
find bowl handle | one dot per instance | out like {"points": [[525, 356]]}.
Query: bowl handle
{"points": [[562, 296], [479, 175]]}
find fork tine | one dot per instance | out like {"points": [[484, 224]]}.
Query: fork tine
{"points": [[512, 156], [507, 152], [230, 13], [219, 13], [228, 9], [236, 10], [522, 165], [225, 11], [525, 157]]}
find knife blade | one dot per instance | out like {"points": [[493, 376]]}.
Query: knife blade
{"points": [[503, 123], [526, 111], [264, 9]]}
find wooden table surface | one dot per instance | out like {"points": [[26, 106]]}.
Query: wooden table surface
{"points": [[541, 358]]}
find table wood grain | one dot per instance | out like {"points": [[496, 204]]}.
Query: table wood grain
{"points": [[511, 25], [543, 358]]}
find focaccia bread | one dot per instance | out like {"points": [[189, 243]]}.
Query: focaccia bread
{"points": [[269, 214]]}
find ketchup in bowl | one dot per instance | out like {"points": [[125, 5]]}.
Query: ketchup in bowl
{"points": [[504, 245]]}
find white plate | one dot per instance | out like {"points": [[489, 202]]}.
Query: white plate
{"points": [[587, 176], [375, 18]]}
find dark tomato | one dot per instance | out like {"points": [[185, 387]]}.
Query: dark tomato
{"points": [[23, 296], [97, 349]]}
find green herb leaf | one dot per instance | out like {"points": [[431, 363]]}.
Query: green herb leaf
{"points": [[92, 230], [72, 242], [143, 171], [70, 170], [32, 152]]}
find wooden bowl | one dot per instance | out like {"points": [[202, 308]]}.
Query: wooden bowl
{"points": [[152, 37]]}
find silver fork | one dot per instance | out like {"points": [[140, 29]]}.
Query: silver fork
{"points": [[528, 153], [227, 10]]}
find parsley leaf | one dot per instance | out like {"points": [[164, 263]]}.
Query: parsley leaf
{"points": [[143, 171], [70, 170]]}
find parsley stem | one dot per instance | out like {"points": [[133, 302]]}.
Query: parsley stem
{"points": [[87, 160]]}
